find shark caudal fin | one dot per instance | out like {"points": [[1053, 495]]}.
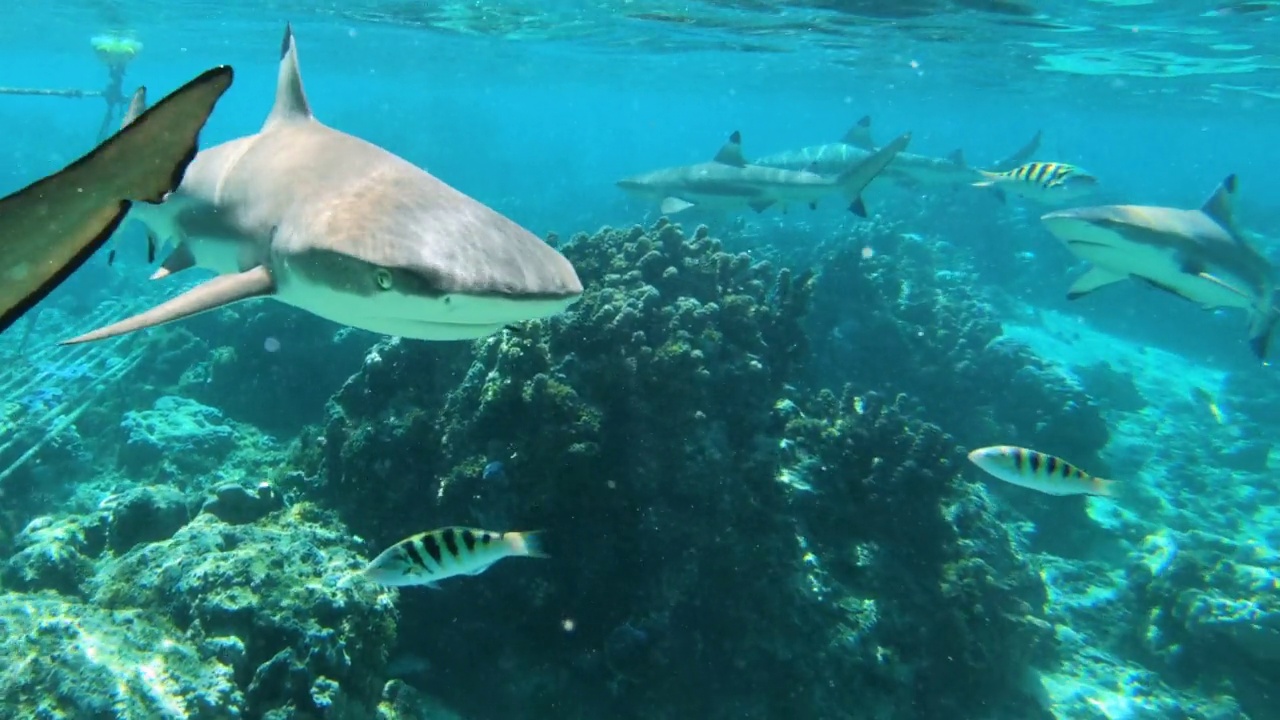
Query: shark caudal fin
{"points": [[51, 227], [854, 180]]}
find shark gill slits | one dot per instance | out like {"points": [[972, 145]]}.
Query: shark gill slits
{"points": [[382, 277], [433, 548], [469, 539], [450, 541]]}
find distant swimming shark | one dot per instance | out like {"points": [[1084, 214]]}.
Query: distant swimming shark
{"points": [[1199, 255], [729, 182], [51, 227], [857, 145], [326, 222]]}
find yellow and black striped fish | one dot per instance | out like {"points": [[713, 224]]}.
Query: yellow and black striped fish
{"points": [[1038, 471], [427, 558], [1047, 182]]}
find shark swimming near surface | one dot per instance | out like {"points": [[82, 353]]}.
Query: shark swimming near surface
{"points": [[326, 222], [857, 145], [1200, 255], [729, 182], [51, 227]]}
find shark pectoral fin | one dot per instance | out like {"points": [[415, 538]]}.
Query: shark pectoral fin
{"points": [[857, 207], [209, 295], [673, 205], [762, 205], [731, 152], [1092, 280], [180, 259]]}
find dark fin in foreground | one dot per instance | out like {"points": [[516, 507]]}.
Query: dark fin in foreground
{"points": [[210, 295], [51, 227], [857, 207], [762, 205], [137, 105]]}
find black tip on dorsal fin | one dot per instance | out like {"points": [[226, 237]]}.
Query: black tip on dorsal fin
{"points": [[864, 121], [731, 152], [291, 100], [1221, 204]]}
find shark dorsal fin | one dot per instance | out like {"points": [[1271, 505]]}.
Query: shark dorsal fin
{"points": [[957, 157], [1221, 204], [860, 134], [137, 105], [291, 101], [731, 152]]}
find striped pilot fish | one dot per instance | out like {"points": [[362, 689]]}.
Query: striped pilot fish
{"points": [[429, 557], [1045, 182], [1038, 471]]}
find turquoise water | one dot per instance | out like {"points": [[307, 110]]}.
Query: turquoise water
{"points": [[744, 444]]}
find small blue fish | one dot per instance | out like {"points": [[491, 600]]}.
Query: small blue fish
{"points": [[494, 471]]}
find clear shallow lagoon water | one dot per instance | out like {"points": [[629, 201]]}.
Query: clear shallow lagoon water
{"points": [[1163, 604]]}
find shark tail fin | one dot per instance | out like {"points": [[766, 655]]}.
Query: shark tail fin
{"points": [[1261, 328], [854, 180], [291, 100]]}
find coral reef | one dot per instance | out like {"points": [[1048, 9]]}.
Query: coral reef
{"points": [[656, 432], [207, 620]]}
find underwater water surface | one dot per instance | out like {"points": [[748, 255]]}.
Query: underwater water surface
{"points": [[640, 360]]}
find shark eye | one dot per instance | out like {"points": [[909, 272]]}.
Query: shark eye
{"points": [[382, 276]]}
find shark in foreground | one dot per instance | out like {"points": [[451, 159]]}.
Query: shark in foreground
{"points": [[857, 145], [729, 182], [51, 227], [1199, 255], [326, 222]]}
